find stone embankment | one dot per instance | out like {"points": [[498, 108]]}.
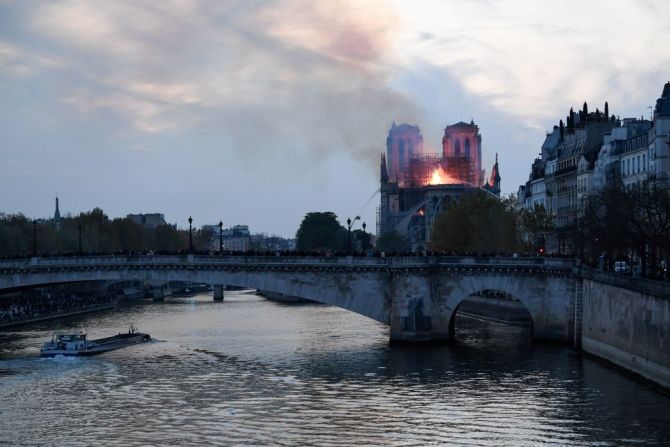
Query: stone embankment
{"points": [[626, 321]]}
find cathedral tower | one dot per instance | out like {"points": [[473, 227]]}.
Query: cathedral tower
{"points": [[462, 147], [403, 142]]}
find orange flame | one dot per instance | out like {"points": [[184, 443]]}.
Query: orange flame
{"points": [[440, 177]]}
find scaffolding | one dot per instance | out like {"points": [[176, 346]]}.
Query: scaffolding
{"points": [[456, 170]]}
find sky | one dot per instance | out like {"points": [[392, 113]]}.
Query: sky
{"points": [[258, 111]]}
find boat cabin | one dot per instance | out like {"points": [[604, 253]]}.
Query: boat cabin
{"points": [[69, 342]]}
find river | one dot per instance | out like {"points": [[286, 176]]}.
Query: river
{"points": [[253, 372]]}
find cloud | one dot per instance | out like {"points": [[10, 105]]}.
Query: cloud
{"points": [[307, 77], [533, 60], [21, 62]]}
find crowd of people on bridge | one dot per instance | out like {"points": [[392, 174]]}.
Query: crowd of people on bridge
{"points": [[251, 253], [46, 303], [617, 265]]}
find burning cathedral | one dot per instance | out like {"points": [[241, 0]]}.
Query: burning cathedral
{"points": [[416, 186]]}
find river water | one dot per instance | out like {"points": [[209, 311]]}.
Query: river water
{"points": [[252, 372]]}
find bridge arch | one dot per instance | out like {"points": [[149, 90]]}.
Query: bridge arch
{"points": [[501, 307], [323, 285], [513, 286]]}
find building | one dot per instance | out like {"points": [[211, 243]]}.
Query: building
{"points": [[592, 152], [151, 220], [417, 186], [658, 136], [633, 152], [563, 176], [237, 238], [402, 143]]}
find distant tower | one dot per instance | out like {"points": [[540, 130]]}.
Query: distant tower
{"points": [[57, 216], [403, 142]]}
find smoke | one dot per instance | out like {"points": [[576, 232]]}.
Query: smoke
{"points": [[306, 79]]}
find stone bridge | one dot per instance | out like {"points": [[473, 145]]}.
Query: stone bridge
{"points": [[415, 296]]}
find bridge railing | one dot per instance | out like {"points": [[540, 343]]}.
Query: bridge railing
{"points": [[396, 261]]}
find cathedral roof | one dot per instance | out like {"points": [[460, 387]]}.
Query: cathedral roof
{"points": [[463, 124], [404, 126]]}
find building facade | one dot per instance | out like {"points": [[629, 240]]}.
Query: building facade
{"points": [[415, 190], [150, 220], [592, 152]]}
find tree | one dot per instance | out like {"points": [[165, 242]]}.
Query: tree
{"points": [[168, 238], [361, 239], [478, 222], [129, 235], [320, 231], [626, 220], [392, 242], [536, 223], [202, 239]]}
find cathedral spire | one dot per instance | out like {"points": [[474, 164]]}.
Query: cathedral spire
{"points": [[494, 182]]}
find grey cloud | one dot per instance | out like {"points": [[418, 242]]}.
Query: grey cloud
{"points": [[202, 65]]}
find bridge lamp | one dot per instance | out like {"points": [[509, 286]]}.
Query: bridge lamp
{"points": [[190, 234], [350, 224], [365, 236], [220, 237]]}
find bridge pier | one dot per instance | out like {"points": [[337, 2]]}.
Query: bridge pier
{"points": [[158, 293], [218, 292], [416, 314]]}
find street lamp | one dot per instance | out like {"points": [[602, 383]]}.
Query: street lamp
{"points": [[190, 234], [350, 224], [220, 237], [365, 237], [34, 237]]}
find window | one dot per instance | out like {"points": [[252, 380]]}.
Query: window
{"points": [[644, 162], [467, 147], [457, 148]]}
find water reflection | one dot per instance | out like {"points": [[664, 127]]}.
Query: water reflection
{"points": [[248, 371]]}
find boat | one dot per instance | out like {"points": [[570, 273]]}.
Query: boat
{"points": [[77, 344]]}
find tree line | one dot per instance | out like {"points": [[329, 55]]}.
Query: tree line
{"points": [[99, 233], [629, 223]]}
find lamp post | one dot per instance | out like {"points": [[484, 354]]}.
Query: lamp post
{"points": [[350, 223], [220, 237], [190, 234], [365, 238], [34, 237], [79, 228]]}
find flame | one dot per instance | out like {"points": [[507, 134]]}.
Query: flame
{"points": [[440, 177]]}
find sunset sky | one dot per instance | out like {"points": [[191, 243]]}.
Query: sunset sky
{"points": [[258, 111]]}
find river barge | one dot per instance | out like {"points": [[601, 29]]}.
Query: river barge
{"points": [[77, 344]]}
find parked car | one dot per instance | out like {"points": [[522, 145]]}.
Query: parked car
{"points": [[621, 267]]}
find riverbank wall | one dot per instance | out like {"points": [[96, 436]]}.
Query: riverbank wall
{"points": [[626, 321], [282, 298], [83, 310]]}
